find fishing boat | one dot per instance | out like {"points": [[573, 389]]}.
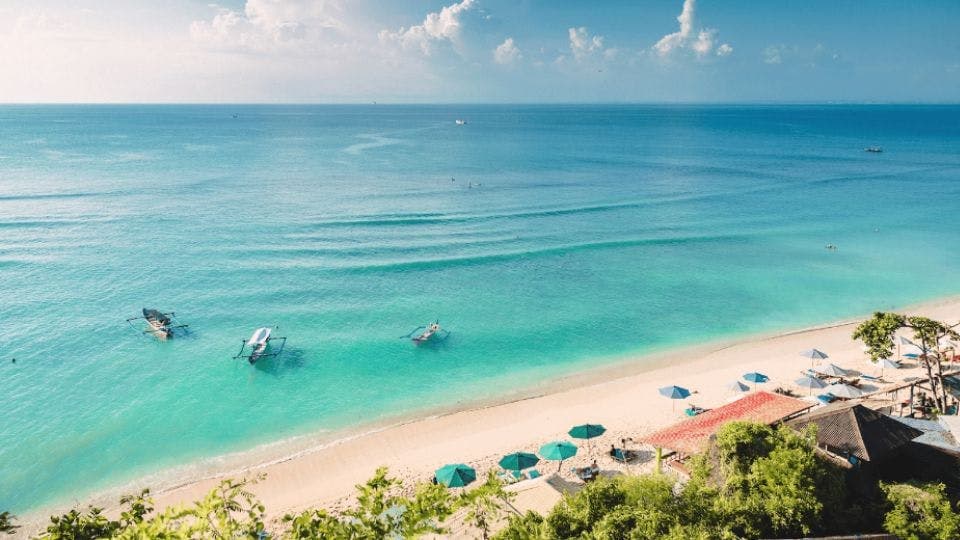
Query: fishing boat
{"points": [[461, 122], [873, 149], [258, 346], [430, 332], [161, 325]]}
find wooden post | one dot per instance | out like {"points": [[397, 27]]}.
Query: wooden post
{"points": [[659, 460]]}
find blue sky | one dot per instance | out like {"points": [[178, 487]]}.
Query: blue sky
{"points": [[479, 51]]}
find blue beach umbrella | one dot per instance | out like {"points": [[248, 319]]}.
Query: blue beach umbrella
{"points": [[456, 475], [674, 392], [755, 377]]}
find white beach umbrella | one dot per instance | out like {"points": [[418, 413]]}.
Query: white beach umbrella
{"points": [[814, 355], [810, 383], [844, 391], [886, 363], [737, 387], [833, 370]]}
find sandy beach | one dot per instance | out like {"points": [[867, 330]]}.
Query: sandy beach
{"points": [[623, 398], [626, 403]]}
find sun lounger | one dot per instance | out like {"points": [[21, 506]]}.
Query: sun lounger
{"points": [[826, 398], [508, 477], [693, 410], [871, 378], [532, 474], [623, 456]]}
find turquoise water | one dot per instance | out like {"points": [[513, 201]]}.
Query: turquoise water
{"points": [[546, 238]]}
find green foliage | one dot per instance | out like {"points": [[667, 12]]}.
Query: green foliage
{"points": [[530, 526], [758, 482], [381, 512], [228, 511], [76, 525], [483, 503], [878, 333], [920, 512], [6, 523]]}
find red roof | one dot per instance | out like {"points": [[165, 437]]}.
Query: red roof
{"points": [[690, 436]]}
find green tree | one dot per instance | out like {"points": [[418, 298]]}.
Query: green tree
{"points": [[76, 525], [920, 512], [878, 334], [6, 523], [381, 512], [484, 503]]}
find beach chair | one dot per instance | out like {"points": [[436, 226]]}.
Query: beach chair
{"points": [[826, 398], [508, 477], [871, 378], [693, 410], [532, 474], [621, 455]]}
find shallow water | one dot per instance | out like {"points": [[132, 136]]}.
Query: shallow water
{"points": [[544, 238]]}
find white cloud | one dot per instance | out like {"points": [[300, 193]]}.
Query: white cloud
{"points": [[444, 25], [701, 44], [582, 43], [704, 43], [773, 54], [507, 52], [268, 24]]}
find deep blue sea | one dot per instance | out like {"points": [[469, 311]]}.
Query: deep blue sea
{"points": [[548, 239]]}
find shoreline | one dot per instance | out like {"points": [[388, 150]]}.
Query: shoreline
{"points": [[299, 468]]}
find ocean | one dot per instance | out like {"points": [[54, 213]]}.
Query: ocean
{"points": [[547, 239]]}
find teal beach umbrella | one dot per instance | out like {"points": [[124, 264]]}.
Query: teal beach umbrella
{"points": [[456, 475], [518, 461], [558, 451], [587, 431], [755, 377]]}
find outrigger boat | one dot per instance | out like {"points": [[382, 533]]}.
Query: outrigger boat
{"points": [[430, 332], [162, 325], [258, 346]]}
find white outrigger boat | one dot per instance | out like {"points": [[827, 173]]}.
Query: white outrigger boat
{"points": [[258, 346], [461, 122], [161, 325], [430, 332]]}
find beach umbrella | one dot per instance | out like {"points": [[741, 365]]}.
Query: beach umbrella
{"points": [[587, 431], [844, 391], [810, 382], [833, 370], [518, 461], [886, 363], [813, 355], [455, 475], [755, 377], [674, 392], [737, 387], [558, 451]]}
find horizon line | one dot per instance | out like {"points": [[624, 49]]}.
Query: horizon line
{"points": [[480, 103]]}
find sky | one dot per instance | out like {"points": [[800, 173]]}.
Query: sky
{"points": [[478, 51]]}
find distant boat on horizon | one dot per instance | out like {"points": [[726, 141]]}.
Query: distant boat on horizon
{"points": [[873, 149], [461, 122]]}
